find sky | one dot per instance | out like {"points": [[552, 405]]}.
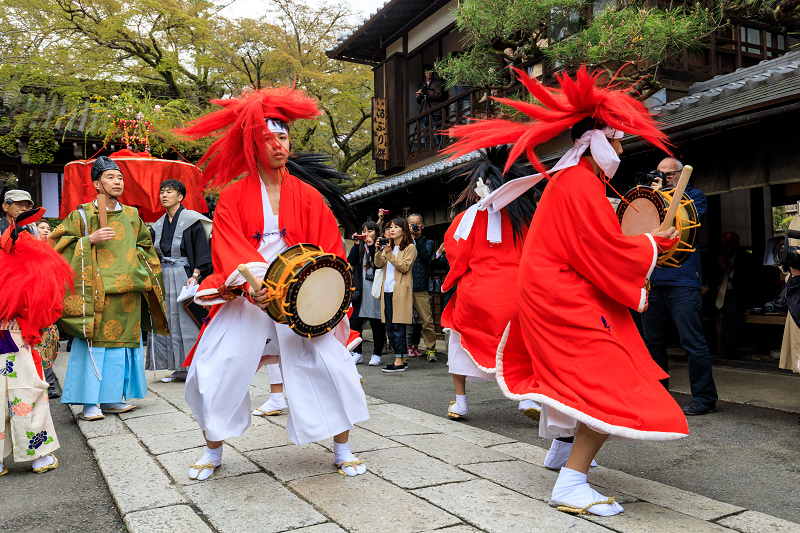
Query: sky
{"points": [[256, 8]]}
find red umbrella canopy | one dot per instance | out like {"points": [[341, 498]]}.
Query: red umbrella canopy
{"points": [[143, 176]]}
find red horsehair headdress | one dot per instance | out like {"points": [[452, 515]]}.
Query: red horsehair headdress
{"points": [[559, 109], [242, 132]]}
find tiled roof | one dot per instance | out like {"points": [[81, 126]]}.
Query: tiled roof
{"points": [[400, 180], [47, 109], [769, 80]]}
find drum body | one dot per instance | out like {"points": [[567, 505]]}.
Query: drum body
{"points": [[313, 289], [643, 208]]}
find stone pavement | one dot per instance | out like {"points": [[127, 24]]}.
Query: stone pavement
{"points": [[425, 473]]}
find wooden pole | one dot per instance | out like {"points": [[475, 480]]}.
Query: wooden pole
{"points": [[677, 196]]}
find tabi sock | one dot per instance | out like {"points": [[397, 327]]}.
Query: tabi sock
{"points": [[572, 489], [90, 410], [527, 404], [342, 454], [45, 460], [276, 402], [558, 454], [460, 407], [213, 456]]}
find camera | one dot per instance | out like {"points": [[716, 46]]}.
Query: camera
{"points": [[647, 178], [777, 252], [415, 227], [382, 241]]}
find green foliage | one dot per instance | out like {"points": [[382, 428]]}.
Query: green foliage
{"points": [[8, 144], [42, 145], [637, 34]]}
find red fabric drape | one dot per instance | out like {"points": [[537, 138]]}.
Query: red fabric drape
{"points": [[143, 176]]}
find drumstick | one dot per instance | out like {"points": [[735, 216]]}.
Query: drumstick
{"points": [[251, 279], [101, 210], [677, 195]]}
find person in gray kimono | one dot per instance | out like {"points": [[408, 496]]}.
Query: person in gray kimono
{"points": [[181, 241]]}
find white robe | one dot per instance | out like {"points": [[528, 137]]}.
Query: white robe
{"points": [[322, 385]]}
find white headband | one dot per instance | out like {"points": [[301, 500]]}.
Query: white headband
{"points": [[277, 126]]}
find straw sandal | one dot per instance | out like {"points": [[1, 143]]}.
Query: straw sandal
{"points": [[533, 413], [200, 468], [585, 510], [47, 468], [451, 414], [351, 464]]}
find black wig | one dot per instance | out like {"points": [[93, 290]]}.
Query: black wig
{"points": [[489, 166]]}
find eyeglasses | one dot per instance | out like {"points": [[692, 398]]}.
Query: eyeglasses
{"points": [[672, 173]]}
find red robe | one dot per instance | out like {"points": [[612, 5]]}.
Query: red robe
{"points": [[239, 221], [486, 299], [578, 277]]}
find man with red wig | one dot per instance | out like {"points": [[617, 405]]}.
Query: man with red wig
{"points": [[574, 347], [257, 218], [31, 299]]}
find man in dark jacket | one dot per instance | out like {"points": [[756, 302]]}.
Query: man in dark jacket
{"points": [[422, 302], [429, 94], [675, 294]]}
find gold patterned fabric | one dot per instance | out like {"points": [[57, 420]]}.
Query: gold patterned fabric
{"points": [[48, 348], [118, 285]]}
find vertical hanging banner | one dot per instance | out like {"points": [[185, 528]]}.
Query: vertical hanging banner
{"points": [[380, 140]]}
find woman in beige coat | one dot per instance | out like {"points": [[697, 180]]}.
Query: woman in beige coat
{"points": [[397, 297], [790, 349]]}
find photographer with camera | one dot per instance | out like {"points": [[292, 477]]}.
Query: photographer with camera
{"points": [[429, 93], [790, 347], [676, 294], [422, 301]]}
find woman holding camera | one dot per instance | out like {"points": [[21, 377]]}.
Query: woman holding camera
{"points": [[397, 255], [365, 306]]}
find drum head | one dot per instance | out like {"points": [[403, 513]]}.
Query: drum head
{"points": [[320, 296], [645, 212]]}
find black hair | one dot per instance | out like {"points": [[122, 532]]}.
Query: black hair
{"points": [[427, 67], [311, 168], [584, 125], [175, 185], [402, 223], [489, 166], [371, 224]]}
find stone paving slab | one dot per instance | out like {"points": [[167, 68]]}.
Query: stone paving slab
{"points": [[173, 442], [110, 425], [523, 451], [151, 405], [493, 508], [457, 529], [662, 495], [135, 480], [254, 503], [410, 469], [375, 401], [395, 510], [531, 480], [321, 528], [388, 425], [643, 517], [363, 441], [161, 425], [173, 519], [293, 462], [755, 522], [451, 449], [260, 436], [177, 464], [445, 425]]}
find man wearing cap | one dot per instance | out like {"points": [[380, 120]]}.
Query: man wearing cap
{"points": [[16, 202], [118, 292]]}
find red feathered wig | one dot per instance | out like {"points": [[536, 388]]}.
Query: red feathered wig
{"points": [[558, 109], [241, 130]]}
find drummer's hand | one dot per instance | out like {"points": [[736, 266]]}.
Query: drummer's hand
{"points": [[657, 184], [670, 234], [259, 297]]}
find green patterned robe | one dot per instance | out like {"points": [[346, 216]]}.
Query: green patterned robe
{"points": [[118, 285]]}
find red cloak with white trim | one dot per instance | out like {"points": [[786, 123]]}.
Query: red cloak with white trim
{"points": [[486, 299], [578, 277], [239, 221]]}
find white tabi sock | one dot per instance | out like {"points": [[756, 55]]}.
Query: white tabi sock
{"points": [[276, 402], [460, 407], [558, 454], [342, 454], [213, 456], [527, 404], [40, 462], [571, 489]]}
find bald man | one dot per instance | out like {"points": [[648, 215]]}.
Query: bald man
{"points": [[675, 296]]}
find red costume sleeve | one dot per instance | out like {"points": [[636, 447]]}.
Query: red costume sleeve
{"points": [[616, 264], [458, 252], [307, 219]]}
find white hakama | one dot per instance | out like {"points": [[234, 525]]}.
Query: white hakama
{"points": [[460, 363], [322, 384]]}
